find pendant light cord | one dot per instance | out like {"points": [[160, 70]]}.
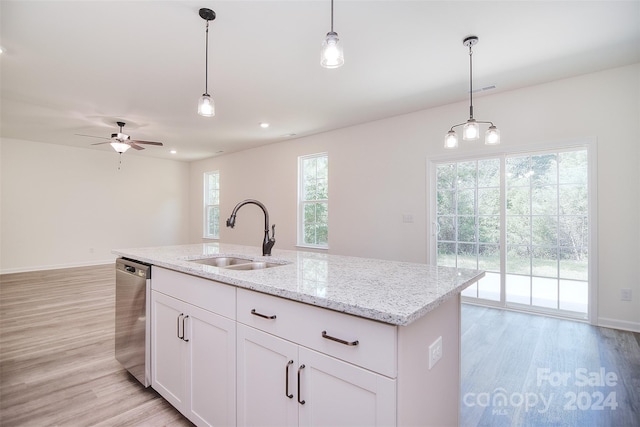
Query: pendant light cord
{"points": [[206, 64], [470, 83]]}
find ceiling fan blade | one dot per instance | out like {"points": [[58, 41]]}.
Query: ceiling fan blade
{"points": [[147, 142], [134, 146], [90, 136], [100, 143]]}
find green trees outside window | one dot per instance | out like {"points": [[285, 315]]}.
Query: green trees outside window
{"points": [[537, 206], [314, 200]]}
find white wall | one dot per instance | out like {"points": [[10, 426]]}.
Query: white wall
{"points": [[378, 173], [64, 206]]}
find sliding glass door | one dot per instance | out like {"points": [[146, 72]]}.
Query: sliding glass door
{"points": [[524, 219]]}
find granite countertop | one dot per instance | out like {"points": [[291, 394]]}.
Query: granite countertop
{"points": [[387, 291]]}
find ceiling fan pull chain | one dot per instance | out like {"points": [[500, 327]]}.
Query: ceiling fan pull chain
{"points": [[119, 160]]}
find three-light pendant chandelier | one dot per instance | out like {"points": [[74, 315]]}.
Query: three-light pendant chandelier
{"points": [[471, 128]]}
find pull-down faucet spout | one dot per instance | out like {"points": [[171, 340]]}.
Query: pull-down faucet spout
{"points": [[268, 242]]}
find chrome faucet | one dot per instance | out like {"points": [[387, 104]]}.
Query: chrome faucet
{"points": [[268, 242]]}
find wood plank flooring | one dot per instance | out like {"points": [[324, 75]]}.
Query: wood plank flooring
{"points": [[57, 366], [525, 370]]}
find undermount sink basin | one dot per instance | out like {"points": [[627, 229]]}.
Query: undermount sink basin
{"points": [[234, 263], [221, 261], [253, 265]]}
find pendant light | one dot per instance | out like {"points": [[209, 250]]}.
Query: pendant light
{"points": [[206, 106], [471, 128], [332, 55]]}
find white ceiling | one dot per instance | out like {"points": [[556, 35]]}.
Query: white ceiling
{"points": [[77, 67]]}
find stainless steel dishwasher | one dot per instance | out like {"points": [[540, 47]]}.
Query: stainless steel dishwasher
{"points": [[133, 343]]}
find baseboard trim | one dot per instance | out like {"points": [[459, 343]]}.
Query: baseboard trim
{"points": [[619, 324], [55, 267]]}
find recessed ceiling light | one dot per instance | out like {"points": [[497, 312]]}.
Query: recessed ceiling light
{"points": [[264, 125], [173, 151]]}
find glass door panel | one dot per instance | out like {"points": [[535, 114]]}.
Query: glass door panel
{"points": [[534, 204]]}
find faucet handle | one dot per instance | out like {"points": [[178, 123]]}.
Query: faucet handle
{"points": [[273, 232]]}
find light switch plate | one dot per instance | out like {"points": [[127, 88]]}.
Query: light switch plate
{"points": [[625, 294], [435, 352]]}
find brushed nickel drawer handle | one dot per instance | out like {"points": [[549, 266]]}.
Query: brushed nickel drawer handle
{"points": [[264, 316], [329, 337]]}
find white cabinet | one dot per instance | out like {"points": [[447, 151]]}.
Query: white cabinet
{"points": [[193, 355], [215, 347], [282, 383], [266, 379]]}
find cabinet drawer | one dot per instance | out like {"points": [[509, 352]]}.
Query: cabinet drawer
{"points": [[207, 294], [305, 325]]}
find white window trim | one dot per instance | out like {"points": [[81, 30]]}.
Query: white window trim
{"points": [[300, 216], [591, 145]]}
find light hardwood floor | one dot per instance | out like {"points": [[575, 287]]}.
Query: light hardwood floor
{"points": [[525, 370], [57, 366]]}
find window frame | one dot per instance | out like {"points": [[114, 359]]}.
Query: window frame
{"points": [[207, 205], [302, 202]]}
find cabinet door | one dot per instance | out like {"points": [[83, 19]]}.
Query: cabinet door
{"points": [[267, 380], [169, 352], [337, 393], [212, 368]]}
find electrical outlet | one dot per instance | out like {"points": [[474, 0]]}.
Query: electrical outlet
{"points": [[625, 294], [435, 352]]}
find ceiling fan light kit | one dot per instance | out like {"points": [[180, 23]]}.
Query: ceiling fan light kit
{"points": [[471, 128], [206, 106], [332, 55]]}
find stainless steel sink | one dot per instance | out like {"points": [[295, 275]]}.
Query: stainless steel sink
{"points": [[253, 265], [235, 263], [221, 261]]}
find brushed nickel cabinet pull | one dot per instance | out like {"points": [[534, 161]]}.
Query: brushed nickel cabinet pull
{"points": [[264, 316], [183, 329], [329, 337], [286, 380], [302, 402], [178, 326]]}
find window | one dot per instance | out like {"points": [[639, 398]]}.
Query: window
{"points": [[536, 207], [313, 201], [212, 205]]}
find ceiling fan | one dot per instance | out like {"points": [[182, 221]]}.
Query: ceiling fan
{"points": [[121, 142]]}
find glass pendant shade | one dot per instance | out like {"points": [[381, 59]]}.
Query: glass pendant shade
{"points": [[471, 130], [206, 107], [451, 139], [492, 137], [120, 147], [332, 55]]}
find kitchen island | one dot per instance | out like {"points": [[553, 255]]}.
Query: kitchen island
{"points": [[315, 339]]}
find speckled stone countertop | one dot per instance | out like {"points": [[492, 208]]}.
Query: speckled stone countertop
{"points": [[387, 291]]}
